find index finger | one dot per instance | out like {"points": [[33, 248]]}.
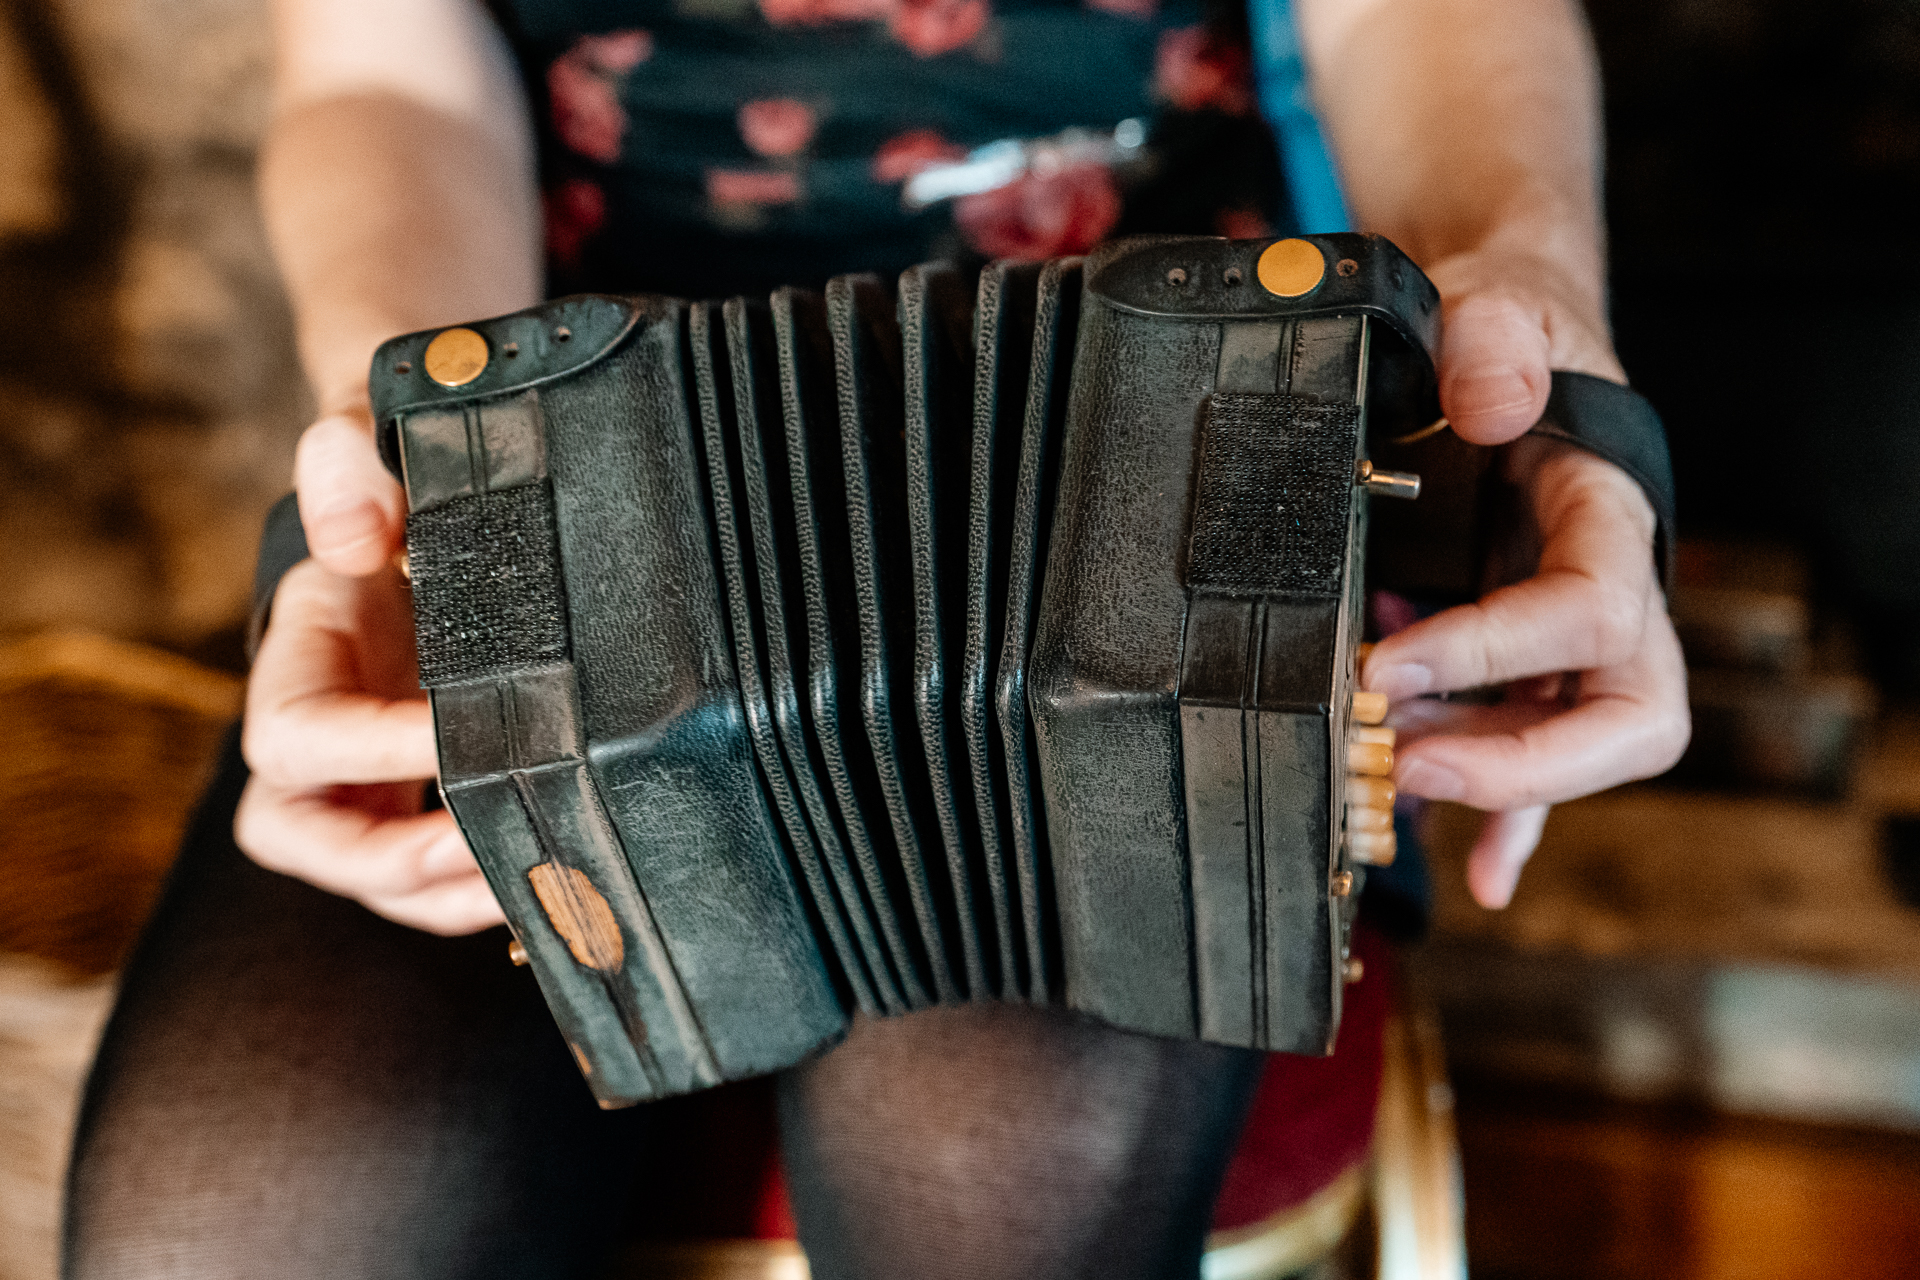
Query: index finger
{"points": [[1586, 607], [312, 718]]}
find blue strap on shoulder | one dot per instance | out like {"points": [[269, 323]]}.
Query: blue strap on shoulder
{"points": [[1280, 75]]}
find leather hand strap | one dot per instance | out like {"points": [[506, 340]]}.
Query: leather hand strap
{"points": [[1616, 423], [283, 544]]}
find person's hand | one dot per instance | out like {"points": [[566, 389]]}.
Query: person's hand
{"points": [[1595, 685], [338, 733]]}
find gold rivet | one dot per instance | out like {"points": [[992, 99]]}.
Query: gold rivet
{"points": [[517, 951], [455, 357], [1291, 268]]}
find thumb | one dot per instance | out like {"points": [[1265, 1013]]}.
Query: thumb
{"points": [[353, 511], [1494, 371]]}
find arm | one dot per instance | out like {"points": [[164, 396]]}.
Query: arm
{"points": [[399, 193], [1468, 132]]}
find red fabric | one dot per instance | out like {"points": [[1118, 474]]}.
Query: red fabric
{"points": [[1312, 1118]]}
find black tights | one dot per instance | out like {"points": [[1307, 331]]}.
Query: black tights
{"points": [[292, 1087]]}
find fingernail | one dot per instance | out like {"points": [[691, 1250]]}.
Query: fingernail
{"points": [[1487, 391], [1401, 680], [344, 526], [1495, 893], [1425, 778]]}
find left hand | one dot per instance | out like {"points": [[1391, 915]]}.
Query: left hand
{"points": [[1595, 685]]}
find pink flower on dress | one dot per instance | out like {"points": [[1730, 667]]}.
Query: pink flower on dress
{"points": [[789, 13], [1192, 70], [1041, 217], [933, 27], [583, 87], [752, 186], [1242, 224], [905, 154], [777, 126], [1125, 8], [574, 211], [615, 53]]}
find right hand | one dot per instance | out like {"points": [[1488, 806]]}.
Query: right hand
{"points": [[338, 734]]}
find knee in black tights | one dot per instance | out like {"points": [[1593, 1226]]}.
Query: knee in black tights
{"points": [[1006, 1141]]}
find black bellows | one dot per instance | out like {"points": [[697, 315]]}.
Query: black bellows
{"points": [[870, 649]]}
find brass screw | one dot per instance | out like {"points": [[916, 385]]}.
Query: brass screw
{"points": [[517, 952]]}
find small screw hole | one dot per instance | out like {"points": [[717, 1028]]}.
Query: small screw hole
{"points": [[1177, 276], [1232, 275], [405, 366], [1347, 267], [512, 349], [563, 334]]}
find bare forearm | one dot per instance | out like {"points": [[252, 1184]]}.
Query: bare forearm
{"points": [[398, 186], [1467, 126]]}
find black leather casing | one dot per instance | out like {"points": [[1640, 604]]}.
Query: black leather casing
{"points": [[856, 651]]}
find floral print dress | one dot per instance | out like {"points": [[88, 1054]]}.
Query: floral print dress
{"points": [[705, 147]]}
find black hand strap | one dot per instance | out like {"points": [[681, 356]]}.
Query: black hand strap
{"points": [[283, 544], [1616, 423]]}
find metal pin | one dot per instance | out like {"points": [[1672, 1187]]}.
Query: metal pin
{"points": [[517, 951], [1388, 484]]}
